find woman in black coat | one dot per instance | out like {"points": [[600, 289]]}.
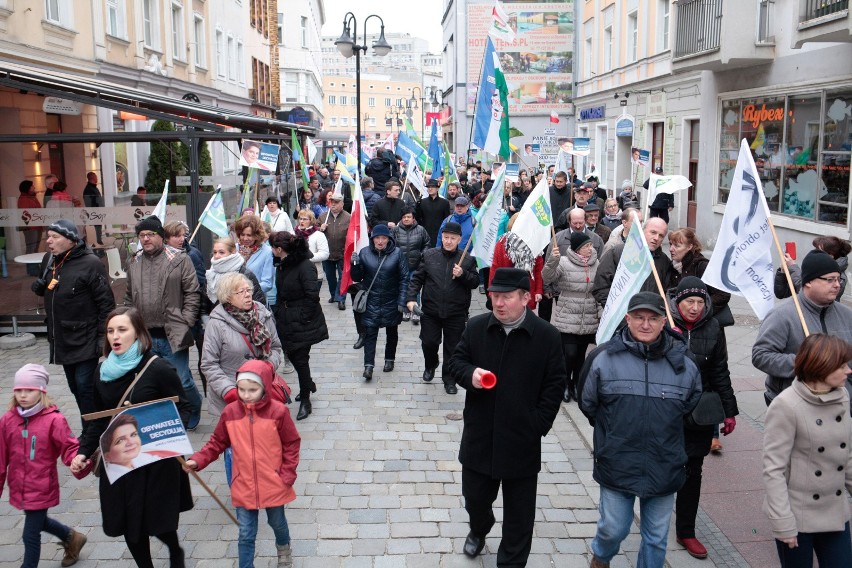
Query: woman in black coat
{"points": [[685, 250], [383, 266], [298, 314], [146, 501], [692, 308]]}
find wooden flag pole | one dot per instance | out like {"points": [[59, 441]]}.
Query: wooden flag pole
{"points": [[464, 252], [209, 491], [656, 276], [209, 203], [789, 279]]}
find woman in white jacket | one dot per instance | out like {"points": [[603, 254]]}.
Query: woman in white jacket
{"points": [[317, 243]]}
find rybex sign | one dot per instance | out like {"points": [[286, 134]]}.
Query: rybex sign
{"points": [[593, 113], [757, 115]]}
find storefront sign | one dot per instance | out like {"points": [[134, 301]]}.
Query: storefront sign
{"points": [[55, 105], [593, 113], [754, 115], [656, 105], [624, 126], [85, 215]]}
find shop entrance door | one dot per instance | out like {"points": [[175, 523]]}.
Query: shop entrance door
{"points": [[692, 204]]}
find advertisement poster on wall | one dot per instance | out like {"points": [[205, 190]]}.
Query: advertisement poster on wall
{"points": [[537, 63]]}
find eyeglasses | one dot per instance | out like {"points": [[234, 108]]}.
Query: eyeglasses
{"points": [[244, 292], [654, 320], [147, 235], [832, 281]]}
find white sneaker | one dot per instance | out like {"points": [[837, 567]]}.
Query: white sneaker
{"points": [[415, 319]]}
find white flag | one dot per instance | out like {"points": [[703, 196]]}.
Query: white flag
{"points": [[632, 272], [500, 28], [312, 150], [388, 143], [666, 184], [742, 260], [415, 178], [487, 224], [534, 222], [160, 209]]}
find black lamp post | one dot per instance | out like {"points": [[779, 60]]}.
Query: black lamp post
{"points": [[348, 46], [412, 105]]}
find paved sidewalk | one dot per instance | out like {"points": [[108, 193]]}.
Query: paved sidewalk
{"points": [[380, 484]]}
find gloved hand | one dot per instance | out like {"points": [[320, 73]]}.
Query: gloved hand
{"points": [[730, 424], [38, 287], [231, 396]]}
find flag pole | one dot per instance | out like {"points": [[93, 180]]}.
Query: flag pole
{"points": [[200, 217], [209, 491], [787, 275], [656, 277], [464, 252]]}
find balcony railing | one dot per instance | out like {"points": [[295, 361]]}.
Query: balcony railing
{"points": [[818, 8], [699, 26]]}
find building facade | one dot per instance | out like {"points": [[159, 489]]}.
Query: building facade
{"points": [[300, 62]]}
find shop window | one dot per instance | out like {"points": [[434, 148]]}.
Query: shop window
{"points": [[801, 178]]}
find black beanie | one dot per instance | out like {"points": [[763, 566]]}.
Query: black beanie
{"points": [[151, 223], [65, 228], [578, 240], [689, 287], [817, 263]]}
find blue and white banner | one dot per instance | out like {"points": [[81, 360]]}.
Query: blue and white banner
{"points": [[489, 218]]}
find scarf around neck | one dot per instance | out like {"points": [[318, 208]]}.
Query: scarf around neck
{"points": [[116, 366], [218, 268], [31, 411], [304, 233], [247, 251], [519, 253], [250, 319]]}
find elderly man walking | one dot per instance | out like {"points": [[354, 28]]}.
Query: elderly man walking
{"points": [[504, 424], [636, 389]]}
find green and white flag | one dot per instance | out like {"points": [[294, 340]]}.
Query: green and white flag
{"points": [[214, 218], [535, 220], [633, 269], [490, 217]]}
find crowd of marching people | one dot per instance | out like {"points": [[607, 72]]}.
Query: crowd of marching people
{"points": [[658, 392]]}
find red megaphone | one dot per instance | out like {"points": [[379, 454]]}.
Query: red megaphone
{"points": [[488, 380]]}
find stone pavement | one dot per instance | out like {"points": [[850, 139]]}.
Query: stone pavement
{"points": [[380, 484]]}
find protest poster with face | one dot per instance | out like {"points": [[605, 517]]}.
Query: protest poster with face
{"points": [[141, 435]]}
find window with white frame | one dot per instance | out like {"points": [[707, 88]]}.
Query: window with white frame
{"points": [[372, 121], [387, 102], [343, 99], [344, 121], [291, 87], [589, 49], [332, 99], [178, 43], [398, 103], [633, 37], [198, 40], [608, 39], [280, 28], [304, 31], [116, 18], [232, 59], [371, 101], [241, 66], [150, 30], [353, 100], [52, 11], [220, 53], [333, 121], [665, 15]]}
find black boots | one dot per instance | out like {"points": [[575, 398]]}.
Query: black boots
{"points": [[428, 375], [313, 390], [304, 407], [388, 366], [450, 387], [570, 392], [359, 343], [368, 373]]}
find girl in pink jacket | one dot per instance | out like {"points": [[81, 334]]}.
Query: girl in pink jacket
{"points": [[33, 434]]}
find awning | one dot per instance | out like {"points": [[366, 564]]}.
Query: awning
{"points": [[88, 90]]}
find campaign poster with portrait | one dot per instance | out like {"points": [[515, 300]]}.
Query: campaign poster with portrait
{"points": [[640, 157], [537, 64], [142, 435], [259, 155]]}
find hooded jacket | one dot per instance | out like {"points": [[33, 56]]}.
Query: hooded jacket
{"points": [[298, 314], [29, 448], [575, 310], [466, 221], [77, 306], [225, 350], [636, 397], [266, 447], [412, 240], [386, 299]]}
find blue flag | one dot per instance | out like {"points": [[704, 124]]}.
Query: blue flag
{"points": [[435, 152], [410, 150], [491, 117]]}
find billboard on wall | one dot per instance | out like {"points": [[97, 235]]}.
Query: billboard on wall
{"points": [[537, 64]]}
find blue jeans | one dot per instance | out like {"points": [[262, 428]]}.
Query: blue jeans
{"points": [[248, 531], [333, 272], [616, 516], [81, 381], [229, 463], [35, 523], [831, 548], [180, 361]]}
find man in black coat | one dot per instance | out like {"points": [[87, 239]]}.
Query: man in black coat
{"points": [[446, 282], [503, 425], [432, 210], [388, 209], [92, 198], [77, 299], [663, 202], [560, 195]]}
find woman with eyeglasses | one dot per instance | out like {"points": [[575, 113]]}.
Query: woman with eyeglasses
{"points": [[612, 214], [252, 235], [298, 313]]}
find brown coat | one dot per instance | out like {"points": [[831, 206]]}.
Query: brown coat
{"points": [[335, 233], [807, 461]]}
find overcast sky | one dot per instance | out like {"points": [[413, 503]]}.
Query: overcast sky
{"points": [[420, 18]]}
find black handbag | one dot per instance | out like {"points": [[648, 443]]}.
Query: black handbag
{"points": [[708, 413], [359, 303]]}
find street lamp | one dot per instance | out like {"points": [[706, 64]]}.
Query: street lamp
{"points": [[347, 44], [412, 105], [394, 113], [437, 98]]}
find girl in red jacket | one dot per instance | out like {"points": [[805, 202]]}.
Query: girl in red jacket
{"points": [[266, 454], [33, 434]]}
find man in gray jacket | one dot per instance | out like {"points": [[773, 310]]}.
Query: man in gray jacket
{"points": [[781, 333], [636, 389], [162, 285]]}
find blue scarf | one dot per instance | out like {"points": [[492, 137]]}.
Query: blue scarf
{"points": [[116, 366]]}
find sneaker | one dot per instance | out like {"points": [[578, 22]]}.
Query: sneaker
{"points": [[72, 547], [693, 546], [481, 289], [406, 316], [285, 559], [415, 319], [716, 446]]}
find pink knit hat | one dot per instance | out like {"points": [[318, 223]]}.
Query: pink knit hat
{"points": [[30, 376]]}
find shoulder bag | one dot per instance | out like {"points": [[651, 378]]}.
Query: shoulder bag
{"points": [[707, 413], [359, 304], [96, 455]]}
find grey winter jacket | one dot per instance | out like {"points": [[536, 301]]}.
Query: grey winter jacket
{"points": [[782, 289], [575, 310], [781, 334], [636, 396], [225, 351]]}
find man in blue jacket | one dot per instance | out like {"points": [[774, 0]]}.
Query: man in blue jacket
{"points": [[463, 217], [635, 389]]}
